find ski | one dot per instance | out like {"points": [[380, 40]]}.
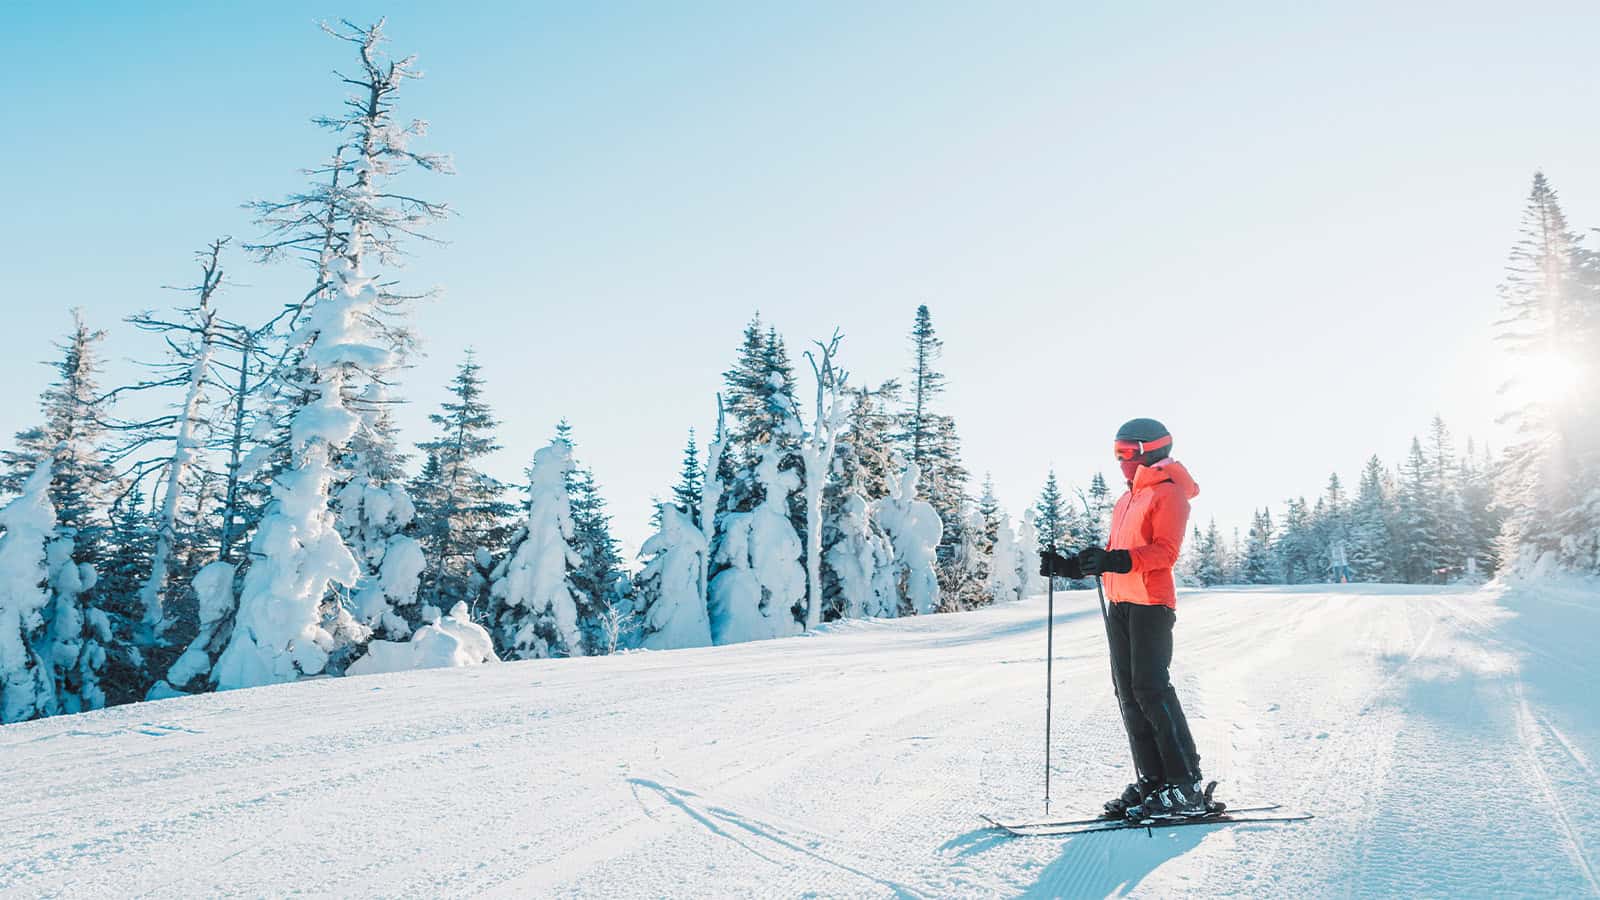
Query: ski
{"points": [[1015, 824], [1150, 824]]}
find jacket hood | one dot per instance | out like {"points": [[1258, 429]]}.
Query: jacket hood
{"points": [[1166, 470]]}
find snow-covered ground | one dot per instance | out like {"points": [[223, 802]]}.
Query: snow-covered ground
{"points": [[1446, 740]]}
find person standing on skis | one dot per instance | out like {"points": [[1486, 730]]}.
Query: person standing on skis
{"points": [[1135, 567]]}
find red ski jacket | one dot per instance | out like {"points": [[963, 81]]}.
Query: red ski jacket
{"points": [[1149, 522]]}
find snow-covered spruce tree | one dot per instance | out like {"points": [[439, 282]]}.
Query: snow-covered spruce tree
{"points": [[1097, 506], [690, 488], [1444, 499], [760, 581], [1051, 516], [1209, 555], [671, 585], [989, 508], [1296, 549], [1418, 532], [1005, 576], [598, 583], [862, 561], [964, 584], [347, 339], [535, 608], [91, 649], [1369, 542], [460, 508], [1260, 563], [1028, 556], [27, 523], [375, 513], [1550, 485], [928, 438], [864, 463], [914, 529]]}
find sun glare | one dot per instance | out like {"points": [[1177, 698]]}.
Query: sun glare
{"points": [[1551, 377]]}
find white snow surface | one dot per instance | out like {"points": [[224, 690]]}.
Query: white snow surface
{"points": [[453, 640], [1447, 741]]}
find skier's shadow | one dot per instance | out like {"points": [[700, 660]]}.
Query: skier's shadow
{"points": [[1111, 864]]}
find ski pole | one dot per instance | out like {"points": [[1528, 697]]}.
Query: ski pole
{"points": [[1049, 679]]}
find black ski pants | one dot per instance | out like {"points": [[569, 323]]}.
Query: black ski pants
{"points": [[1141, 652]]}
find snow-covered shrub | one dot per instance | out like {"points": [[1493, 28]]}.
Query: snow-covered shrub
{"points": [[454, 640], [536, 612]]}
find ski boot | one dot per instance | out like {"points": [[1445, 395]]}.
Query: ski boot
{"points": [[1177, 801], [1132, 795]]}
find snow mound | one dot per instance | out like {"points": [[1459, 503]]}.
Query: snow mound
{"points": [[455, 640]]}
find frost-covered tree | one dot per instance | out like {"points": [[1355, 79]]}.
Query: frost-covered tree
{"points": [[535, 603], [928, 438], [460, 507], [1005, 579], [964, 583], [27, 523], [347, 338], [914, 530], [1028, 556], [1051, 515], [1209, 556], [671, 585], [83, 630], [598, 581], [863, 562], [761, 582], [195, 335], [865, 462], [1550, 485], [1368, 550], [687, 492], [817, 448]]}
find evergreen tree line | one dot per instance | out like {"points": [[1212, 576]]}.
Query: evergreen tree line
{"points": [[1447, 513], [268, 523], [1431, 519]]}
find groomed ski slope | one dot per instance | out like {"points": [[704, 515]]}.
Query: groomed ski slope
{"points": [[1446, 740]]}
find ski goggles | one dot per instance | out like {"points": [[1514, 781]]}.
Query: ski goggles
{"points": [[1131, 450]]}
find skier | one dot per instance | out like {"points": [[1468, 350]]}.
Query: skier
{"points": [[1135, 565]]}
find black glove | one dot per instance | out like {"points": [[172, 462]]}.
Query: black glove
{"points": [[1054, 565], [1097, 561]]}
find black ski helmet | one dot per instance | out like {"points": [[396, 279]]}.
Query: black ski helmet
{"points": [[1146, 431]]}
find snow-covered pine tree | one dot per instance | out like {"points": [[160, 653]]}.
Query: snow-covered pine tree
{"points": [[1028, 556], [598, 582], [1368, 547], [347, 338], [761, 580], [82, 632], [535, 610], [1097, 510], [690, 488], [865, 463], [1551, 328], [914, 529], [989, 508], [964, 584], [1260, 561], [460, 507], [1296, 549], [1051, 516], [1005, 579], [27, 524], [671, 586], [1444, 500], [1417, 533], [862, 560], [1209, 556], [928, 439]]}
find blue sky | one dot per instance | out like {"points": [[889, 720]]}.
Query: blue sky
{"points": [[1279, 230]]}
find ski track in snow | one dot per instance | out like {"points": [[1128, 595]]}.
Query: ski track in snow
{"points": [[854, 763]]}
